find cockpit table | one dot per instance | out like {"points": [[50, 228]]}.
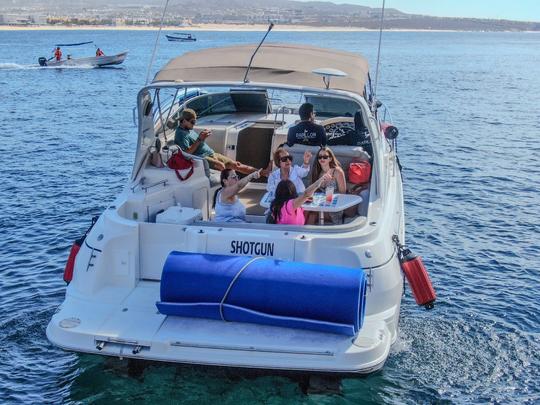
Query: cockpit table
{"points": [[319, 204]]}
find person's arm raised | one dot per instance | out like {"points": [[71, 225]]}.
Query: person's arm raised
{"points": [[231, 191], [303, 170], [298, 201], [244, 182]]}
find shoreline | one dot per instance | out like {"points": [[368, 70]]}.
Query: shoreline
{"points": [[222, 28], [197, 27], [216, 27]]}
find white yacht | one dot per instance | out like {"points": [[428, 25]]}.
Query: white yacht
{"points": [[157, 278]]}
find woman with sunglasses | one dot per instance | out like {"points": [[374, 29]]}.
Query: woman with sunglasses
{"points": [[228, 207], [287, 171], [326, 163]]}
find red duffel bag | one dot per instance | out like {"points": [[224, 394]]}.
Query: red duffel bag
{"points": [[179, 162], [359, 172]]}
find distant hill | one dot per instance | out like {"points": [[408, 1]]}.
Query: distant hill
{"points": [[283, 12]]}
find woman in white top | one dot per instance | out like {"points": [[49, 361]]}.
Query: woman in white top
{"points": [[228, 207], [287, 171]]}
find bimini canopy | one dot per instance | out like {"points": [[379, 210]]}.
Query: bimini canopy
{"points": [[273, 63]]}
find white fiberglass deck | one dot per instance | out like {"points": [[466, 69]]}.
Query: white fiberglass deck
{"points": [[133, 322]]}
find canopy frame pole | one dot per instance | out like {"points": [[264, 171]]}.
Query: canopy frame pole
{"points": [[163, 127], [156, 43], [374, 101], [256, 50], [173, 102]]}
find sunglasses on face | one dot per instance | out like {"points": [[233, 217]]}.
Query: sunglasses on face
{"points": [[283, 159], [193, 122], [323, 157], [233, 177]]}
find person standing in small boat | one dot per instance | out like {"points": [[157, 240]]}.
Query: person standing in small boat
{"points": [[286, 171], [99, 52], [194, 144], [306, 132], [286, 209], [58, 53], [228, 207]]}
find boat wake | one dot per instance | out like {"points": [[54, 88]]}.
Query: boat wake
{"points": [[68, 67], [465, 359], [16, 66], [12, 66]]}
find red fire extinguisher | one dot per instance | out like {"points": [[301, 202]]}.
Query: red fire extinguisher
{"points": [[417, 276], [70, 264]]}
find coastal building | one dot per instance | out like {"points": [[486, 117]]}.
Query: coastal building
{"points": [[17, 19]]}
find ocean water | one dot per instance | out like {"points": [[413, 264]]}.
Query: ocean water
{"points": [[467, 106]]}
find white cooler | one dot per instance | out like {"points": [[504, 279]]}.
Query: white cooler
{"points": [[179, 215]]}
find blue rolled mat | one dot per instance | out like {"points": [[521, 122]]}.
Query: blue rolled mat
{"points": [[269, 292]]}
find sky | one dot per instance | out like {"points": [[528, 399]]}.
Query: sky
{"points": [[522, 10]]}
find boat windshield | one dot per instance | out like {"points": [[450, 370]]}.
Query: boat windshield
{"points": [[332, 106], [217, 101], [230, 103]]}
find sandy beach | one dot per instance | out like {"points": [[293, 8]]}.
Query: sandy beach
{"points": [[198, 27]]}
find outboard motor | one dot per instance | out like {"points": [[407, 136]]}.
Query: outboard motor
{"points": [[417, 276], [42, 61]]}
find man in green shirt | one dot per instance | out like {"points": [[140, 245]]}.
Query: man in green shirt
{"points": [[195, 144]]}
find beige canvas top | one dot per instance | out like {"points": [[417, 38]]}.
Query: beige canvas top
{"points": [[274, 63]]}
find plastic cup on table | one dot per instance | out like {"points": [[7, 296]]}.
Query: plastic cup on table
{"points": [[329, 194]]}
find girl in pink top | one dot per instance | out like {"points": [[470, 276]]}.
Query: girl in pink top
{"points": [[287, 208]]}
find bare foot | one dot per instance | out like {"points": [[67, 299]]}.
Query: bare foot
{"points": [[219, 166], [265, 172]]}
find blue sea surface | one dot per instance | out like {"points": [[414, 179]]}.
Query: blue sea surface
{"points": [[467, 106]]}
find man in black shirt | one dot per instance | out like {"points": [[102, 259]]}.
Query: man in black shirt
{"points": [[306, 132]]}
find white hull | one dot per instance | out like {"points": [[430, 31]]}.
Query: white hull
{"points": [[112, 299], [213, 343], [98, 61]]}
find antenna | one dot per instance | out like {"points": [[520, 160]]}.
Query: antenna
{"points": [[327, 74], [156, 44], [252, 56], [374, 98]]}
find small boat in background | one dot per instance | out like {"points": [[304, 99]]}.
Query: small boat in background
{"points": [[99, 60], [181, 37]]}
